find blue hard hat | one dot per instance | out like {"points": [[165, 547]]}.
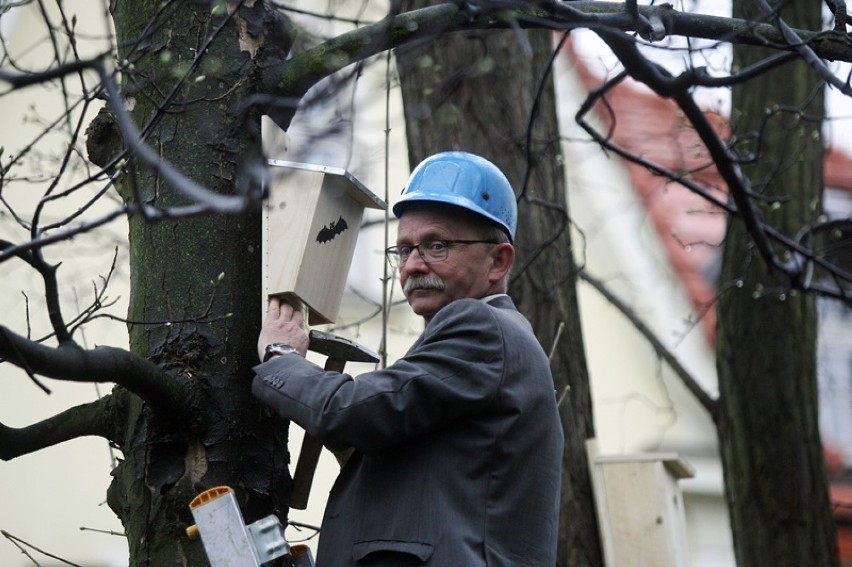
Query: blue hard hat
{"points": [[464, 180]]}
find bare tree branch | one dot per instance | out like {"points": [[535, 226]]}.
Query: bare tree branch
{"points": [[792, 38], [164, 393], [838, 8], [797, 268], [739, 186], [707, 402], [301, 72], [93, 419], [209, 201], [23, 545]]}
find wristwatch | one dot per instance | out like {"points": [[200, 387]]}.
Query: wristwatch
{"points": [[278, 348]]}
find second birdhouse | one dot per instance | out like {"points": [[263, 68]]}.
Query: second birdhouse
{"points": [[312, 220]]}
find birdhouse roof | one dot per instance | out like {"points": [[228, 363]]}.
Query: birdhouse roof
{"points": [[357, 190]]}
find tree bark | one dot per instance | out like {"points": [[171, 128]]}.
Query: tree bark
{"points": [[775, 477], [195, 285], [490, 93]]}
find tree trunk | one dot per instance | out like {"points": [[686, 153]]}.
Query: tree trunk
{"points": [[195, 288], [768, 428], [476, 91]]}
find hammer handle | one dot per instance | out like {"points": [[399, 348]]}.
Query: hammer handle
{"points": [[306, 466]]}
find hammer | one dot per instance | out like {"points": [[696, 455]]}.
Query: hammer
{"points": [[339, 351]]}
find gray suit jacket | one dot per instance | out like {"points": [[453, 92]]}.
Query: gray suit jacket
{"points": [[458, 445]]}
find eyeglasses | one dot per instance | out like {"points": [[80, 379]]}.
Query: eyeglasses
{"points": [[430, 251]]}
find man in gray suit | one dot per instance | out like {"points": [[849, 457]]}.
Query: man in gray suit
{"points": [[457, 445]]}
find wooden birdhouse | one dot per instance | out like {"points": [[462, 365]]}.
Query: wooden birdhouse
{"points": [[311, 225], [640, 507]]}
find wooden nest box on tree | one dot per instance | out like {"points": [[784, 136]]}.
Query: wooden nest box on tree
{"points": [[312, 219]]}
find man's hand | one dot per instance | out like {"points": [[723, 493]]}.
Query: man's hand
{"points": [[283, 324]]}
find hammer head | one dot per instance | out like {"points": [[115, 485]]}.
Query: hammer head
{"points": [[338, 348]]}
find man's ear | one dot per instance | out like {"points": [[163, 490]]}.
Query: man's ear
{"points": [[503, 256]]}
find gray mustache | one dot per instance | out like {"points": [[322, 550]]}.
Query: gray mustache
{"points": [[423, 282]]}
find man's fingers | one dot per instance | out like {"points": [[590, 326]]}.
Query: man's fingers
{"points": [[273, 308], [279, 311]]}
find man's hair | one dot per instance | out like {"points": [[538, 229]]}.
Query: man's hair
{"points": [[495, 232]]}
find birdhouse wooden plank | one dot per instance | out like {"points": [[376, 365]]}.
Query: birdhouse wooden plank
{"points": [[640, 507], [311, 225]]}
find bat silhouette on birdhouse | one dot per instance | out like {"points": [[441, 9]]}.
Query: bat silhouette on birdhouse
{"points": [[311, 224], [328, 233]]}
